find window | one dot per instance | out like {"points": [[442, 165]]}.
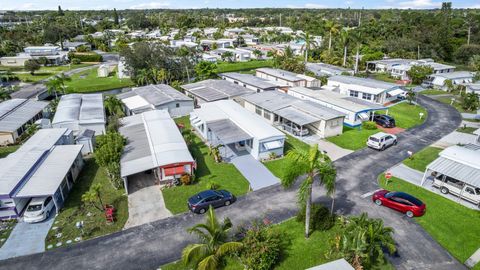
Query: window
{"points": [[366, 96], [334, 123], [177, 105], [267, 115], [258, 110], [470, 190], [47, 201], [353, 93]]}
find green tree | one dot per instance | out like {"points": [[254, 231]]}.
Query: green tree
{"points": [[57, 84], [450, 86], [410, 96], [214, 246], [30, 129], [206, 70], [258, 54], [332, 28], [115, 17], [93, 197], [107, 154], [309, 44], [475, 63], [4, 94], [113, 106], [228, 56], [362, 242], [32, 65], [317, 167], [470, 101], [345, 40], [418, 73], [60, 11]]}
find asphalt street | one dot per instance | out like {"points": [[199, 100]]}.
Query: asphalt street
{"points": [[151, 245]]}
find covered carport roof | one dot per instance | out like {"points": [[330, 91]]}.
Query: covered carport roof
{"points": [[227, 132], [459, 162], [297, 116], [48, 177]]}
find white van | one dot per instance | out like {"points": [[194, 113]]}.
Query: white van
{"points": [[458, 188], [381, 140]]}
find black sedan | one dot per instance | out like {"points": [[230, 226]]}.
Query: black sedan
{"points": [[384, 120], [200, 202]]}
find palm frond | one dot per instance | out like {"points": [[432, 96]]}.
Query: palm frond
{"points": [[209, 263], [194, 253], [228, 248]]}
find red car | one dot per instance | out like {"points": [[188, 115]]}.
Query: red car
{"points": [[400, 201]]}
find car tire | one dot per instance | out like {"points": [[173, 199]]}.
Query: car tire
{"points": [[444, 190], [395, 142], [202, 211], [227, 203], [383, 147], [47, 215], [378, 202], [409, 214]]}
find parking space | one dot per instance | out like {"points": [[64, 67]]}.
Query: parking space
{"points": [[26, 238], [145, 200], [254, 171]]}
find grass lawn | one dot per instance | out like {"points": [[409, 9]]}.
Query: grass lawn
{"points": [[74, 210], [243, 66], [384, 77], [299, 254], [277, 166], [88, 81], [42, 73], [6, 150], [224, 174], [452, 225], [468, 130], [421, 159], [432, 92], [471, 120], [352, 138], [456, 104], [6, 227], [407, 115]]}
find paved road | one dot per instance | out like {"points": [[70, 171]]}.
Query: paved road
{"points": [[153, 244]]}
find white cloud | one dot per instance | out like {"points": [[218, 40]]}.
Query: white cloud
{"points": [[308, 5], [151, 5], [413, 4]]}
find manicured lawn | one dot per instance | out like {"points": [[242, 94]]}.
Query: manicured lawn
{"points": [[6, 150], [433, 92], [94, 220], [468, 130], [421, 159], [352, 138], [299, 254], [452, 225], [407, 115], [223, 174], [243, 66], [88, 81], [384, 77], [42, 73], [277, 166], [6, 227], [456, 103]]}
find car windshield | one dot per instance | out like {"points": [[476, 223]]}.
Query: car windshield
{"points": [[404, 196], [34, 207], [373, 139]]}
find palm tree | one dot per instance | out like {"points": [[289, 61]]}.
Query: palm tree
{"points": [[309, 44], [143, 77], [227, 55], [4, 94], [316, 166], [214, 244], [257, 53], [357, 38], [345, 39], [332, 29], [56, 84], [114, 106]]}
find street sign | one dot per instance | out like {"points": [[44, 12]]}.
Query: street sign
{"points": [[388, 175]]}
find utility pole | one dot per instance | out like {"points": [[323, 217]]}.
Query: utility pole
{"points": [[418, 52], [280, 19], [469, 32]]}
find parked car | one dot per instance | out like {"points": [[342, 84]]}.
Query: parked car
{"points": [[38, 209], [295, 129], [400, 201], [458, 188], [381, 140], [200, 202], [384, 120]]}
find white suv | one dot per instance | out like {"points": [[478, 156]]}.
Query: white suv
{"points": [[38, 209], [381, 140], [458, 188]]}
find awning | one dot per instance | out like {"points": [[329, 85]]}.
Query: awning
{"points": [[272, 145], [174, 170], [457, 170], [227, 132], [364, 116], [396, 92], [297, 116]]}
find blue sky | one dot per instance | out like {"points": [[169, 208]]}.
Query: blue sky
{"points": [[145, 4]]}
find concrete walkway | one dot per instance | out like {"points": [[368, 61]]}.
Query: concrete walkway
{"points": [[474, 259], [415, 177], [333, 151], [145, 201], [455, 138], [255, 172], [26, 239], [471, 116]]}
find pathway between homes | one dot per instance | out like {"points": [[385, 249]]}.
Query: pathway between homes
{"points": [[254, 171], [151, 245]]}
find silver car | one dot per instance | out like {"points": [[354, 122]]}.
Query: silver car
{"points": [[381, 140]]}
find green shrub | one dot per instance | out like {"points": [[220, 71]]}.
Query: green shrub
{"points": [[320, 217], [75, 61], [86, 57], [213, 185], [369, 125], [263, 247]]}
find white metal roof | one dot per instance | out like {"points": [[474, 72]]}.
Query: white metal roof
{"points": [[48, 177], [251, 123], [340, 264], [459, 162], [14, 113], [280, 73], [212, 90], [80, 109], [367, 85], [153, 140], [154, 95]]}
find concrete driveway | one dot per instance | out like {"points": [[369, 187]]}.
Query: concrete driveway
{"points": [[162, 241], [145, 201], [26, 239], [255, 172]]}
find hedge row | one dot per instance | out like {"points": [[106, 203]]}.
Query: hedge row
{"points": [[86, 57]]}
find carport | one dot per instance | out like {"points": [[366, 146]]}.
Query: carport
{"points": [[295, 116], [56, 175], [225, 132]]}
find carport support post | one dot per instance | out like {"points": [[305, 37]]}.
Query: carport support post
{"points": [[424, 177], [125, 184], [55, 203]]}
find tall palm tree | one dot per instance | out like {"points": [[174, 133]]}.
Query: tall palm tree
{"points": [[114, 106], [56, 84], [317, 167], [345, 40], [358, 39], [309, 44], [332, 29], [214, 244], [143, 77]]}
